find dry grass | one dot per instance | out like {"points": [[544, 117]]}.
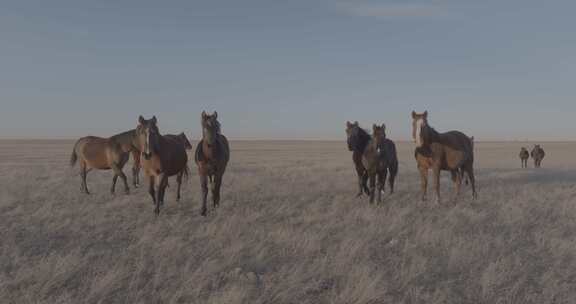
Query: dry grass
{"points": [[289, 231]]}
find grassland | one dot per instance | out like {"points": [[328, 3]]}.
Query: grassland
{"points": [[289, 230]]}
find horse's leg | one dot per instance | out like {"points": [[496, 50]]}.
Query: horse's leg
{"points": [[136, 168], [470, 171], [423, 181], [159, 181], [436, 173], [360, 174], [179, 182], [457, 181], [151, 189], [391, 180], [162, 188], [204, 185], [216, 189], [84, 174], [114, 179], [365, 182], [372, 177], [381, 184], [118, 171]]}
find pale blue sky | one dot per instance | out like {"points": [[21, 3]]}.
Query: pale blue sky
{"points": [[288, 69]]}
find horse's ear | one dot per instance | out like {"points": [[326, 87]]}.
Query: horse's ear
{"points": [[348, 124], [413, 114], [204, 114], [374, 127], [215, 114], [384, 127], [356, 123], [154, 120], [425, 114], [141, 120]]}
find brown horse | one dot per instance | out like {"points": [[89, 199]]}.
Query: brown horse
{"points": [[183, 140], [357, 139], [129, 143], [451, 151], [102, 154], [537, 154], [162, 157], [524, 155], [212, 156], [378, 158]]}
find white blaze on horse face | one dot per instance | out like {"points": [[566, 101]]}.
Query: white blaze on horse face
{"points": [[418, 126], [147, 142]]}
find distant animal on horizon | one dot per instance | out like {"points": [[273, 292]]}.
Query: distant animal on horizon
{"points": [[161, 157], [379, 159], [537, 154], [451, 151], [105, 154], [524, 155], [212, 156], [357, 140]]}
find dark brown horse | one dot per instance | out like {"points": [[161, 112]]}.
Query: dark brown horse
{"points": [[451, 151], [105, 154], [537, 154], [212, 156], [379, 158], [183, 140], [357, 139], [162, 157], [524, 155]]}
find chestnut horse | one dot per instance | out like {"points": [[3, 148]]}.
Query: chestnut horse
{"points": [[162, 157], [357, 139], [379, 158], [451, 151], [212, 156], [105, 154]]}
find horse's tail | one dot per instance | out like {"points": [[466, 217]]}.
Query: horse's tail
{"points": [[74, 156]]}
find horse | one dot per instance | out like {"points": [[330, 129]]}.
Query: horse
{"points": [[162, 157], [129, 143], [183, 140], [537, 154], [103, 154], [524, 155], [212, 156], [451, 151], [357, 139], [379, 158]]}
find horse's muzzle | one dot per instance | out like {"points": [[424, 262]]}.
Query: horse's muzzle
{"points": [[147, 156]]}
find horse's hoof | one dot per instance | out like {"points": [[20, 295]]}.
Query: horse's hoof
{"points": [[203, 213]]}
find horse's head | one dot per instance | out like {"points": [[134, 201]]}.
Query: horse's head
{"points": [[148, 136], [353, 131], [210, 127], [182, 137], [419, 121], [379, 137]]}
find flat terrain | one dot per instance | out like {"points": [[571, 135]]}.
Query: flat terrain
{"points": [[289, 230]]}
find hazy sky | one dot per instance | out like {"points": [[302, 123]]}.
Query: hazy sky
{"points": [[495, 69]]}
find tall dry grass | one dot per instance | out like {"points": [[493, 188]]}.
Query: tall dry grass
{"points": [[289, 230]]}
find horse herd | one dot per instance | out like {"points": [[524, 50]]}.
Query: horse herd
{"points": [[160, 156], [374, 157]]}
